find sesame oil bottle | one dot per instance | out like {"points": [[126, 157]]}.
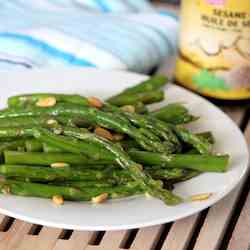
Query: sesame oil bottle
{"points": [[214, 49]]}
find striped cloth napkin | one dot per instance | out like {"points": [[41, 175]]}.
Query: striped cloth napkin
{"points": [[108, 34]]}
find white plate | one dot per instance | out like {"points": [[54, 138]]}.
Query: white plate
{"points": [[136, 211]]}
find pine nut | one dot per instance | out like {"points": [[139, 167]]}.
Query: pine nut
{"points": [[58, 200], [46, 102], [128, 108], [95, 102], [6, 190], [59, 165], [201, 197], [100, 198], [103, 133], [52, 122]]}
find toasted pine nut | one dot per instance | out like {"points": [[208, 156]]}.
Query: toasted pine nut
{"points": [[128, 108], [103, 133], [58, 199], [100, 198], [200, 197], [118, 137], [52, 122], [6, 190], [59, 165], [46, 102], [57, 130], [140, 167], [95, 102]]}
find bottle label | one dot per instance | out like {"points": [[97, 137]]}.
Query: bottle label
{"points": [[214, 56], [216, 2]]}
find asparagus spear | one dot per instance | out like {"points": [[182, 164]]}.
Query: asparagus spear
{"points": [[87, 184], [16, 132], [202, 146], [140, 108], [46, 159], [204, 163], [120, 157], [12, 145], [207, 136], [30, 121], [129, 144], [24, 121], [79, 177], [68, 193], [119, 191], [149, 85], [165, 174], [47, 148], [33, 145], [43, 190], [64, 173], [174, 113], [23, 101], [153, 83], [132, 99]]}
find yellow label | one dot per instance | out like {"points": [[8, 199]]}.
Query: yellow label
{"points": [[214, 51]]}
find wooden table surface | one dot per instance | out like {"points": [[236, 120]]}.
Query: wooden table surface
{"points": [[225, 225]]}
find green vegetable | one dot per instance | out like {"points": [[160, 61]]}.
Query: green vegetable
{"points": [[37, 158], [12, 145], [120, 157], [23, 101], [43, 190], [174, 113], [207, 136], [62, 173], [15, 132], [68, 193], [146, 92], [158, 128], [140, 108], [153, 83], [47, 148], [166, 174], [202, 146], [110, 183], [132, 99], [33, 145], [54, 145], [66, 174], [204, 163]]}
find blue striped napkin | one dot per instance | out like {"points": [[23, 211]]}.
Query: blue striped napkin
{"points": [[108, 34]]}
